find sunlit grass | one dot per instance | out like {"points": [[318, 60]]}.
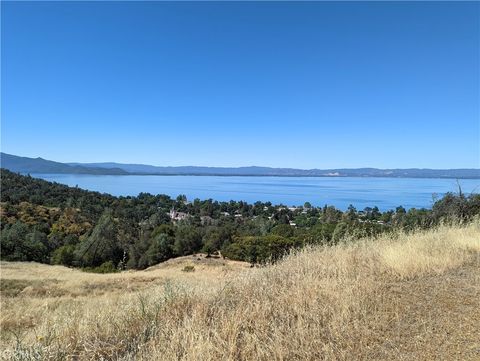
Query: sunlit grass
{"points": [[413, 296]]}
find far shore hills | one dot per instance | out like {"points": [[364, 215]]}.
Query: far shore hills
{"points": [[39, 165]]}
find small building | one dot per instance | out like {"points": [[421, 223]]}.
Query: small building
{"points": [[178, 216]]}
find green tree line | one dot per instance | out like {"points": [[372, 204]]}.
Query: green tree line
{"points": [[52, 223]]}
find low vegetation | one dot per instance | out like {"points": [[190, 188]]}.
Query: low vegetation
{"points": [[55, 224], [150, 277], [412, 296]]}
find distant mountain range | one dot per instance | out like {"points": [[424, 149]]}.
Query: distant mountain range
{"points": [[39, 165]]}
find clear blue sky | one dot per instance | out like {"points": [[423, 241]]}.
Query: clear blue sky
{"points": [[306, 85]]}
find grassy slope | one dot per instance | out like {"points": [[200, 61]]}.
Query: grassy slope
{"points": [[414, 297]]}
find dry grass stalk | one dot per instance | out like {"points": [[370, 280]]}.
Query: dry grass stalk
{"points": [[412, 297]]}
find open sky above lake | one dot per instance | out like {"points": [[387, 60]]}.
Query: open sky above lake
{"points": [[282, 84]]}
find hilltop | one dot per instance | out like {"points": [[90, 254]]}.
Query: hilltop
{"points": [[412, 296], [39, 165]]}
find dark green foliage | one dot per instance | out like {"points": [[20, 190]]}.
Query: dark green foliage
{"points": [[188, 240], [106, 267], [19, 243], [102, 245], [160, 249], [49, 222], [340, 232], [453, 207], [260, 249], [12, 239], [35, 246], [283, 230], [64, 255], [322, 233], [212, 241]]}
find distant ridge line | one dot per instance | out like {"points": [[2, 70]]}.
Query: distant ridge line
{"points": [[39, 165]]}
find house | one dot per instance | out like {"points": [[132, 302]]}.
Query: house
{"points": [[178, 216]]}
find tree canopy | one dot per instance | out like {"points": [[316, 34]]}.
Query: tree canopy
{"points": [[52, 223]]}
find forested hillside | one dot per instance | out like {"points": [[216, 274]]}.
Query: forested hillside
{"points": [[39, 165], [53, 223]]}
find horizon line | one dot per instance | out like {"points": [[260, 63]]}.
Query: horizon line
{"points": [[237, 167]]}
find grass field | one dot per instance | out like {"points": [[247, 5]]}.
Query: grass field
{"points": [[410, 297]]}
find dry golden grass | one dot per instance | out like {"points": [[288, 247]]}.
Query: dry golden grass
{"points": [[409, 297]]}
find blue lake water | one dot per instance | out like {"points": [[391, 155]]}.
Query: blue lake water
{"points": [[386, 193]]}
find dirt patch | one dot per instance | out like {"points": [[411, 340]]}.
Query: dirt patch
{"points": [[199, 259], [435, 315]]}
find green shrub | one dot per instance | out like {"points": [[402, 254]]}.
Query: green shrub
{"points": [[189, 268], [65, 255], [260, 249], [106, 267]]}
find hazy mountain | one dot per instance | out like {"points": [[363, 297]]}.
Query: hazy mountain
{"points": [[131, 168], [267, 171], [39, 165]]}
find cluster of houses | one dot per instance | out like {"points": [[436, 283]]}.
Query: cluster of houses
{"points": [[176, 216], [370, 221]]}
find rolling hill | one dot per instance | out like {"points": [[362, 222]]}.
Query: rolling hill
{"points": [[39, 165], [411, 297]]}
